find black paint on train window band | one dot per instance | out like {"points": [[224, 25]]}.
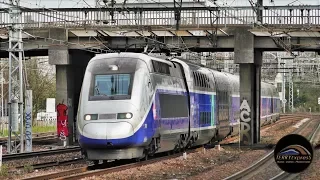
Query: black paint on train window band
{"points": [[160, 67], [173, 105]]}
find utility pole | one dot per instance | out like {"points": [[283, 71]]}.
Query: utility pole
{"points": [[15, 95], [291, 86], [259, 10], [283, 91]]}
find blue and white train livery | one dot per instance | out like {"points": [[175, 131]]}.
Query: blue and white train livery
{"points": [[133, 105]]}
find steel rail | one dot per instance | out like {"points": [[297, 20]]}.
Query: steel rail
{"points": [[36, 135], [262, 162], [283, 119], [59, 174], [53, 163], [284, 175], [34, 139], [40, 153], [82, 172]]}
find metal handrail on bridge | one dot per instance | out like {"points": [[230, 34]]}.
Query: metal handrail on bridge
{"points": [[164, 16]]}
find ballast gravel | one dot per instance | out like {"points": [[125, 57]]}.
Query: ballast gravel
{"points": [[208, 164]]}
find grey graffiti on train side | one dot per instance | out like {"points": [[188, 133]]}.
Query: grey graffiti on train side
{"points": [[245, 120]]}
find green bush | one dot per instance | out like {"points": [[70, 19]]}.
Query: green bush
{"points": [[4, 170], [28, 168]]}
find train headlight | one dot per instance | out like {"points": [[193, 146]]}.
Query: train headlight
{"points": [[89, 117], [114, 67], [128, 115], [124, 116]]}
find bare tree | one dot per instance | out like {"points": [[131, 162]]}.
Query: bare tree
{"points": [[41, 82]]}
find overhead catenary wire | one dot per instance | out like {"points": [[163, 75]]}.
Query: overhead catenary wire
{"points": [[63, 19]]}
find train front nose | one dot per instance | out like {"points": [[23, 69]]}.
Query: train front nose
{"points": [[108, 125], [106, 134]]}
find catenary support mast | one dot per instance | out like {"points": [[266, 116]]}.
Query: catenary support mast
{"points": [[15, 77]]}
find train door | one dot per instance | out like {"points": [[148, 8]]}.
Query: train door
{"points": [[229, 96], [223, 94], [228, 102], [188, 87]]}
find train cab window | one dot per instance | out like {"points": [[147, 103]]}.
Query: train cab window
{"points": [[160, 67], [115, 84], [111, 87]]}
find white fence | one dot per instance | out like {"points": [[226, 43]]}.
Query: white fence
{"points": [[42, 119]]}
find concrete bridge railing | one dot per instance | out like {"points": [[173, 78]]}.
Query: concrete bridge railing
{"points": [[195, 16]]}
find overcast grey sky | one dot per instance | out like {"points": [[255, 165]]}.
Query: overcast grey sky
{"points": [[91, 3]]}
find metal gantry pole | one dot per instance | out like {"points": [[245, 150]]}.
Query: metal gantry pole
{"points": [[15, 94], [291, 87], [283, 88]]}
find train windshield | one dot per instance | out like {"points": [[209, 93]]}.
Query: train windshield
{"points": [[112, 84], [111, 78]]}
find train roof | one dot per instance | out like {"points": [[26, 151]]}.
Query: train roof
{"points": [[145, 56], [121, 54]]}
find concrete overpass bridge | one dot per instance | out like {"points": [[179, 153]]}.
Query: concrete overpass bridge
{"points": [[198, 28], [70, 37]]}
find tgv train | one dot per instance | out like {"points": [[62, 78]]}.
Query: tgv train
{"points": [[133, 105]]}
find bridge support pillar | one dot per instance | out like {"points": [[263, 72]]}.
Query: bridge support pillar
{"points": [[250, 61], [59, 56]]}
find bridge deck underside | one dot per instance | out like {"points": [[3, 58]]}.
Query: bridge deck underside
{"points": [[37, 42]]}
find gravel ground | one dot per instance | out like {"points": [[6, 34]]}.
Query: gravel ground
{"points": [[42, 159], [226, 160], [273, 134], [273, 169], [213, 164], [42, 147], [313, 170], [23, 174], [14, 173]]}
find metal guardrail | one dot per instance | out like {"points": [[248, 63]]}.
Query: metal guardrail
{"points": [[196, 16]]}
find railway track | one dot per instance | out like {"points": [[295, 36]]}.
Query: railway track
{"points": [[39, 137], [83, 172], [314, 138], [54, 163], [283, 119], [19, 156], [268, 160]]}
